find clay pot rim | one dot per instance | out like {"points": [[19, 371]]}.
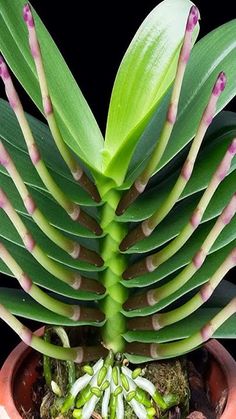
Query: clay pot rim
{"points": [[228, 367], [7, 375], [10, 368]]}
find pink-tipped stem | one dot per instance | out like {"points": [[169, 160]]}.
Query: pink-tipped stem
{"points": [[220, 84], [11, 93], [27, 15], [193, 18]]}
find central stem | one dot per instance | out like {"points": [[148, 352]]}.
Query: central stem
{"points": [[115, 264]]}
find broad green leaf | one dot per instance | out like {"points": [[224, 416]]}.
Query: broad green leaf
{"points": [[211, 264], [179, 217], [185, 328], [11, 136], [30, 176], [11, 133], [191, 324], [216, 142], [222, 295], [221, 124], [75, 119], [40, 276], [9, 232], [21, 304], [145, 74], [181, 330], [55, 214], [185, 254], [214, 53]]}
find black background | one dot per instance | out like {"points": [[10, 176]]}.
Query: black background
{"points": [[93, 39]]}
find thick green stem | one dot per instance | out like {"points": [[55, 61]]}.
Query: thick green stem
{"points": [[115, 264]]}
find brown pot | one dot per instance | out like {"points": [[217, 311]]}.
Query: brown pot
{"points": [[18, 374]]}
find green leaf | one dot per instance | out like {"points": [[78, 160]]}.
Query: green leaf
{"points": [[9, 232], [185, 328], [54, 214], [191, 324], [30, 177], [185, 254], [145, 74], [181, 330], [214, 53], [11, 134], [40, 276], [222, 132], [225, 292], [179, 217], [210, 266], [74, 117], [21, 304]]}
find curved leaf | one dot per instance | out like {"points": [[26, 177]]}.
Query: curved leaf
{"points": [[145, 74], [9, 232], [178, 218], [184, 255], [73, 114], [214, 53], [190, 324], [222, 132], [55, 214], [40, 276], [11, 133], [211, 264], [21, 304], [185, 328]]}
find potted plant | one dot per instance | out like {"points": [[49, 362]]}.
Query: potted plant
{"points": [[125, 292]]}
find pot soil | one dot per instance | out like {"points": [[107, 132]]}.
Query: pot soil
{"points": [[20, 373]]}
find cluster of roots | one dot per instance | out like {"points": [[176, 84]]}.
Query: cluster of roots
{"points": [[168, 377]]}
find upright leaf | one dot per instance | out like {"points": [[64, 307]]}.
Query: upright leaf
{"points": [[144, 76]]}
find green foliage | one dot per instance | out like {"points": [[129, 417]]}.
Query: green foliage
{"points": [[137, 93], [74, 117], [216, 51], [218, 137], [20, 304], [137, 112]]}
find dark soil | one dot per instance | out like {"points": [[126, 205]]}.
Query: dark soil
{"points": [[167, 376]]}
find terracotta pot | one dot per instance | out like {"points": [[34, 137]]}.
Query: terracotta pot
{"points": [[16, 378], [18, 374]]}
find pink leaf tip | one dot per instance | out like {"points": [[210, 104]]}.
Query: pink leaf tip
{"points": [[232, 147], [27, 15], [3, 198], [233, 255], [220, 84], [229, 211], [4, 155], [193, 18], [4, 73]]}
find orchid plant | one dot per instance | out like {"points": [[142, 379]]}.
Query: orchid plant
{"points": [[69, 199]]}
